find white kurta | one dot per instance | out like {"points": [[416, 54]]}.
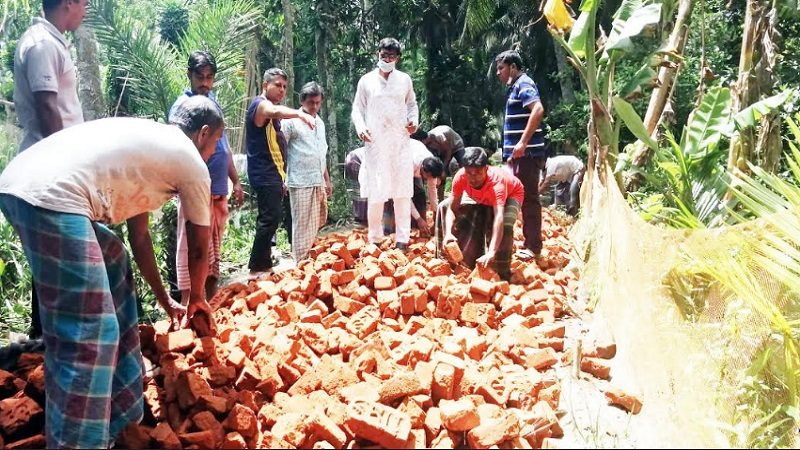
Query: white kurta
{"points": [[385, 107]]}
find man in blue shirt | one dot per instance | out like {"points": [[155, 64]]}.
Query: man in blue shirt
{"points": [[201, 70], [524, 143]]}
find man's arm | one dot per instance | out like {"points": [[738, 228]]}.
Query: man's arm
{"points": [[497, 237], [142, 247], [358, 112], [268, 110], [46, 107], [328, 185], [238, 192], [412, 109], [537, 112]]}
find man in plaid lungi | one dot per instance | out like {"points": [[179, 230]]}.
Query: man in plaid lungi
{"points": [[493, 198], [58, 194], [307, 172]]}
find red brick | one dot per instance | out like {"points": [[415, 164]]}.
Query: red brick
{"points": [[243, 420], [217, 405], [494, 431], [444, 382], [256, 298], [459, 415], [624, 400], [134, 436], [364, 322], [292, 428], [18, 413], [205, 421], [165, 437], [37, 441], [378, 423], [234, 440], [479, 313], [176, 341], [401, 385], [605, 350], [481, 287], [541, 359], [452, 252], [494, 389], [384, 283], [596, 367], [448, 306], [201, 439], [328, 430], [407, 303], [347, 305]]}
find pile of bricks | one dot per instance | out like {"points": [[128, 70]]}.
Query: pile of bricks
{"points": [[358, 347]]}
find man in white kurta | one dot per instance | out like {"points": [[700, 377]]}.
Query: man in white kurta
{"points": [[384, 113]]}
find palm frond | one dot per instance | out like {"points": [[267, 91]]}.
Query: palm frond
{"points": [[137, 52]]}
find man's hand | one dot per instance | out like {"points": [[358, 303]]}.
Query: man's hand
{"points": [[485, 260], [328, 190], [308, 119], [411, 127], [238, 194], [365, 136], [199, 317], [519, 150], [175, 311], [422, 224]]}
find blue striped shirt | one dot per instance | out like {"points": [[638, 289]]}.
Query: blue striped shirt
{"points": [[521, 95]]}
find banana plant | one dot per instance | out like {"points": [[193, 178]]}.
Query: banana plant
{"points": [[596, 60]]}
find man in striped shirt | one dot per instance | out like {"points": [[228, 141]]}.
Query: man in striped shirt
{"points": [[524, 143]]}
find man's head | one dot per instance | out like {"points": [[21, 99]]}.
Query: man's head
{"points": [[476, 166], [508, 65], [66, 13], [201, 120], [421, 135], [275, 84], [201, 70], [311, 97], [432, 167], [389, 51]]}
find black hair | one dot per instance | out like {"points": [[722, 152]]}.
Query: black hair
{"points": [[433, 166], [419, 135], [311, 89], [475, 157], [390, 44], [194, 112], [509, 57], [270, 74], [49, 5], [199, 59]]}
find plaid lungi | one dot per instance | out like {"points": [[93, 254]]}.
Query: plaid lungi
{"points": [[219, 219], [473, 229], [309, 213], [93, 376]]}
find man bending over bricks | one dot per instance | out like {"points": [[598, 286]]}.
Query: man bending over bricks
{"points": [[58, 195], [483, 205]]}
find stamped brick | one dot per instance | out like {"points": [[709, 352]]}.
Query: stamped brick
{"points": [[381, 424]]}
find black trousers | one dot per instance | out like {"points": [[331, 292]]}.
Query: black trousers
{"points": [[270, 213]]}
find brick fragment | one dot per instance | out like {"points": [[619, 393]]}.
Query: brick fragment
{"points": [[541, 359], [328, 430], [494, 431], [625, 400], [20, 413], [200, 439], [165, 437], [459, 415], [36, 441], [176, 341], [134, 436], [596, 367], [292, 428], [453, 253], [401, 385], [234, 440], [378, 423], [243, 420]]}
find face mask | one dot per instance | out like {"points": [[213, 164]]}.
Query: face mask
{"points": [[386, 66]]}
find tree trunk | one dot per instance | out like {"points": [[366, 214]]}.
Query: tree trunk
{"points": [[760, 146], [323, 37], [288, 49], [662, 93], [565, 72], [90, 89]]}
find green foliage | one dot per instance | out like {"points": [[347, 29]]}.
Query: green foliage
{"points": [[174, 21]]}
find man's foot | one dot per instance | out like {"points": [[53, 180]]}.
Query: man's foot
{"points": [[527, 255], [402, 246]]}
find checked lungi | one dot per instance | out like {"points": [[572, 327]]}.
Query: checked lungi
{"points": [[219, 220], [93, 363], [473, 229], [309, 213]]}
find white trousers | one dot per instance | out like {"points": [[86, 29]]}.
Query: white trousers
{"points": [[402, 220]]}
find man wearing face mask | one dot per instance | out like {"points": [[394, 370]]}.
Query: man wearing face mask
{"points": [[384, 113]]}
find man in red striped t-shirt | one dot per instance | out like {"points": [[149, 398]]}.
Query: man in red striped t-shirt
{"points": [[484, 204]]}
